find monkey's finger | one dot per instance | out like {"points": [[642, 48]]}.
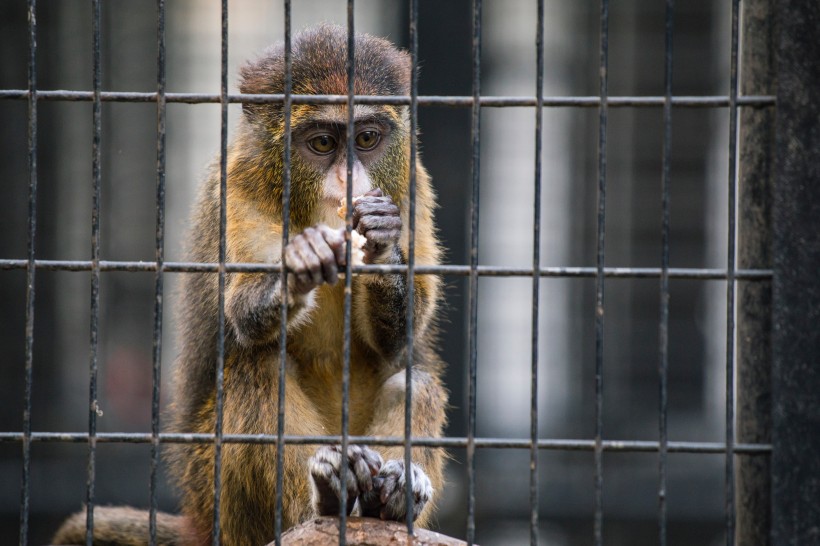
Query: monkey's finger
{"points": [[365, 462], [327, 488], [373, 459], [309, 257], [378, 240], [391, 472], [327, 258], [335, 239], [392, 490], [296, 265], [361, 470], [292, 260], [380, 205], [388, 487], [370, 501], [375, 192], [374, 206], [326, 465], [379, 223]]}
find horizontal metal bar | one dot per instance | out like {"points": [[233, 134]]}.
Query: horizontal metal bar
{"points": [[456, 270], [450, 442], [707, 101]]}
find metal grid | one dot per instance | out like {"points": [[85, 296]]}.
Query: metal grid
{"points": [[473, 271]]}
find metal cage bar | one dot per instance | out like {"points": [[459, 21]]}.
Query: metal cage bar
{"points": [[536, 265], [220, 340], [25, 486], [283, 293], [348, 288], [599, 278], [663, 328], [475, 168], [731, 282], [411, 263], [619, 446], [96, 168], [156, 369], [485, 101], [454, 270]]}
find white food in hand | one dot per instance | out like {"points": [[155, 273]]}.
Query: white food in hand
{"points": [[357, 240]]}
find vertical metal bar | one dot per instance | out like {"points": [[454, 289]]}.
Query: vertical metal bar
{"points": [[156, 377], [348, 290], [599, 288], [663, 334], [95, 270], [536, 278], [411, 264], [754, 300], [283, 294], [730, 286], [220, 342], [30, 270], [473, 302]]}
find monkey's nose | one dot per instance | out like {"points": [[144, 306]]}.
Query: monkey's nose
{"points": [[341, 175]]}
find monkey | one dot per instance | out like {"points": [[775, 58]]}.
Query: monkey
{"points": [[314, 260]]}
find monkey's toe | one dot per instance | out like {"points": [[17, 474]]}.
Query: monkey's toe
{"points": [[365, 463], [388, 500], [325, 471]]}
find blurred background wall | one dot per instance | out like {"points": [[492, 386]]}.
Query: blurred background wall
{"points": [[567, 345]]}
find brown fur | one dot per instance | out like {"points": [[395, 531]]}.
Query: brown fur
{"points": [[313, 398], [123, 526]]}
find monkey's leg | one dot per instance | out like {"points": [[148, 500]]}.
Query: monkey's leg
{"points": [[248, 473], [388, 498]]}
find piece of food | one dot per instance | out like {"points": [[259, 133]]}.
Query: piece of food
{"points": [[357, 242], [357, 239], [342, 210]]}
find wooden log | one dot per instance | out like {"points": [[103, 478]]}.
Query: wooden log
{"points": [[324, 531]]}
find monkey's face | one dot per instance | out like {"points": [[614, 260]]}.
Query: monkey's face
{"points": [[320, 145], [320, 140]]}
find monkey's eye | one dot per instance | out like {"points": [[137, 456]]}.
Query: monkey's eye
{"points": [[322, 144], [367, 140]]}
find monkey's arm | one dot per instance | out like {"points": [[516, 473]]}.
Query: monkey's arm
{"points": [[253, 303], [380, 304], [253, 300]]}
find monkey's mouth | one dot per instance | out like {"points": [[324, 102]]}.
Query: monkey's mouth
{"points": [[332, 203], [329, 213]]}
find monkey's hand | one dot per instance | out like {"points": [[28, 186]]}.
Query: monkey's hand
{"points": [[314, 257], [387, 499], [326, 483], [376, 217]]}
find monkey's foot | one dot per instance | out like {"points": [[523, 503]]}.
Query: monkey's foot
{"points": [[388, 498], [326, 480]]}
